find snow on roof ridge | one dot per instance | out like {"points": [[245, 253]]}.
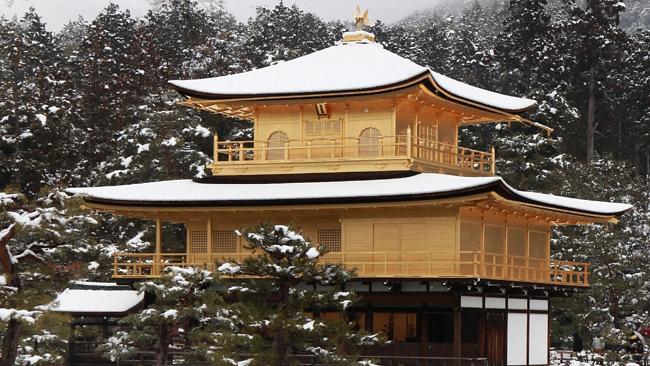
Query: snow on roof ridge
{"points": [[187, 191], [96, 301], [91, 283]]}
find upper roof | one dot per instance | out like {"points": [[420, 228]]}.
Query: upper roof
{"points": [[413, 187], [351, 67]]}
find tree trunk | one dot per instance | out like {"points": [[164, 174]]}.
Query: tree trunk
{"points": [[162, 356], [280, 350], [9, 350], [591, 111], [5, 256], [614, 310], [11, 337], [280, 339]]}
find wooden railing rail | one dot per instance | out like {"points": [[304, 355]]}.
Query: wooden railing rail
{"points": [[438, 264], [354, 148], [462, 157], [310, 149]]}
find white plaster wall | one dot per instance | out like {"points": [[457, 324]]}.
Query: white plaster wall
{"points": [[517, 335], [538, 350]]}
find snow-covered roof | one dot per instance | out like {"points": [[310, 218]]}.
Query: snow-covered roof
{"points": [[347, 67], [482, 96], [416, 186], [97, 297]]}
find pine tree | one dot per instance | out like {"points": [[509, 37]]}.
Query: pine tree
{"points": [[41, 241], [173, 30], [35, 125], [184, 314], [593, 37], [283, 33], [166, 142], [620, 296], [275, 322], [473, 38], [109, 85]]}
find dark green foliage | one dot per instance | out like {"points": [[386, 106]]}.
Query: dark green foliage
{"points": [[275, 312], [36, 112], [183, 315]]}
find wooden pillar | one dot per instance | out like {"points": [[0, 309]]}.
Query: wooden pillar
{"points": [[531, 274], [482, 270], [209, 245], [409, 142], [457, 327], [506, 273], [493, 168], [158, 236], [157, 257], [368, 318], [72, 342], [215, 148]]}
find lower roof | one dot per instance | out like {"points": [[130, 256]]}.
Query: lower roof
{"points": [[175, 193]]}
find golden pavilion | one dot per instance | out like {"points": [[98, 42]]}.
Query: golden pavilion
{"points": [[358, 147]]}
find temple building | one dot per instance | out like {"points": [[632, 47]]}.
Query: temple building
{"points": [[358, 148]]}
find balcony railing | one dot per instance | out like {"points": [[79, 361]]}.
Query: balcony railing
{"points": [[425, 154], [458, 264]]}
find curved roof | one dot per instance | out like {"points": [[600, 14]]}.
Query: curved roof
{"points": [[414, 187], [344, 68]]}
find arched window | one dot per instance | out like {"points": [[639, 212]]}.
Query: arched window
{"points": [[276, 146], [369, 142]]}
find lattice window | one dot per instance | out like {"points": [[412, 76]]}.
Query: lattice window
{"points": [[330, 239], [224, 241], [198, 241], [323, 127], [277, 143], [369, 142]]}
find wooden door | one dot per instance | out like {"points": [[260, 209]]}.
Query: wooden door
{"points": [[494, 339]]}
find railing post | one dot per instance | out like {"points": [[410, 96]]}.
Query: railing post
{"points": [[408, 142], [286, 150], [493, 168], [241, 151], [209, 263], [215, 147]]}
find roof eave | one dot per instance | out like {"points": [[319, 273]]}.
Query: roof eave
{"points": [[230, 98], [498, 188]]}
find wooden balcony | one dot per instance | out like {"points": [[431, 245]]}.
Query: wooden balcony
{"points": [[350, 154], [425, 265]]}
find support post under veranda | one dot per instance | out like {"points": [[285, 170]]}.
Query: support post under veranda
{"points": [[157, 256], [209, 262]]}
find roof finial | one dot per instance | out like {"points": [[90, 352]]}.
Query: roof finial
{"points": [[360, 19], [359, 35]]}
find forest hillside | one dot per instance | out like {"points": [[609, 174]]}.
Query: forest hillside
{"points": [[90, 105]]}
